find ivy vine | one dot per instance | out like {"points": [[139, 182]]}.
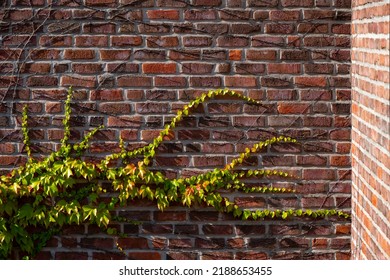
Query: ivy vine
{"points": [[40, 197]]}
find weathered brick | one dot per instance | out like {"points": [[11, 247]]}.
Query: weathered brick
{"points": [[261, 54], [239, 81], [279, 28], [126, 41], [232, 41], [310, 81], [197, 41], [170, 81], [78, 54], [163, 14], [197, 68], [208, 82], [159, 68], [134, 81], [154, 28], [79, 81], [162, 42], [284, 68], [277, 15], [200, 15]]}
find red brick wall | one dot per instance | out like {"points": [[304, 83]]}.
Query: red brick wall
{"points": [[133, 63], [371, 130]]}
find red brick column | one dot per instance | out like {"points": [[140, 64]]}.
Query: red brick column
{"points": [[370, 130]]}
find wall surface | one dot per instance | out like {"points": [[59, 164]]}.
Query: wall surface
{"points": [[371, 130], [133, 63]]}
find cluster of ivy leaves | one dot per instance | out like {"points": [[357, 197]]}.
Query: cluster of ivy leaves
{"points": [[40, 197]]}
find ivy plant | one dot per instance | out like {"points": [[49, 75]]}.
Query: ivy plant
{"points": [[38, 198]]}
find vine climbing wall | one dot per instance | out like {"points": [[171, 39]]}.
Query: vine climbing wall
{"points": [[133, 63]]}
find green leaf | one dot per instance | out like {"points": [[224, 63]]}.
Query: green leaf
{"points": [[246, 214]]}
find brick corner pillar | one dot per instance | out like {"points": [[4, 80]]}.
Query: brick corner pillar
{"points": [[370, 130]]}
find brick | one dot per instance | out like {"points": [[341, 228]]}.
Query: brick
{"points": [[87, 68], [151, 108], [89, 41], [200, 15], [49, 54], [210, 243], [126, 41], [106, 243], [261, 55], [213, 29], [197, 68], [293, 108], [249, 68], [295, 55], [234, 14], [163, 14], [162, 42], [135, 81], [97, 3], [170, 216], [250, 229], [284, 68], [267, 41], [114, 108], [279, 28], [71, 256], [115, 54], [55, 41], [209, 82], [171, 3], [184, 55], [78, 81], [297, 3], [209, 161], [38, 81], [319, 174], [217, 229], [232, 41], [207, 3], [99, 28], [281, 94], [133, 121], [318, 14], [194, 134], [22, 14], [192, 41], [238, 81], [36, 68], [159, 68], [310, 81], [312, 28], [108, 95], [274, 82], [277, 15], [153, 28], [133, 243], [268, 3], [170, 81], [78, 54], [7, 148], [144, 256], [244, 28], [310, 121]]}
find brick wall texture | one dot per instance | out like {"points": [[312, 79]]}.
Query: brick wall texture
{"points": [[371, 130], [132, 63]]}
